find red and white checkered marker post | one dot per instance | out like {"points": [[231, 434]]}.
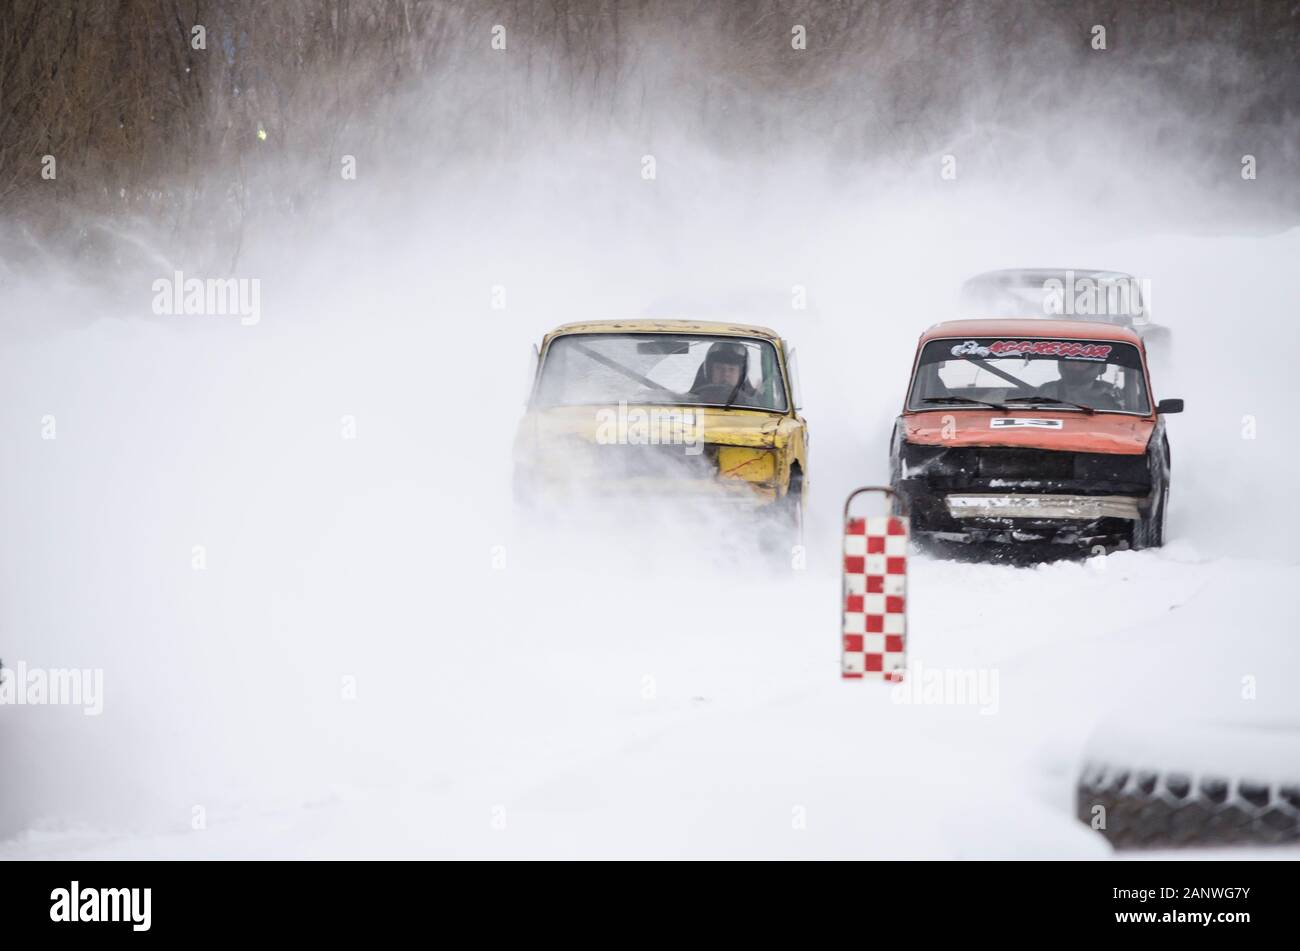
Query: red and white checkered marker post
{"points": [[874, 595]]}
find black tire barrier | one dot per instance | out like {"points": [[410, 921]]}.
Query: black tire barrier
{"points": [[1145, 809]]}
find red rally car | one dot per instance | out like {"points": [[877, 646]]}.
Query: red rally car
{"points": [[1032, 430]]}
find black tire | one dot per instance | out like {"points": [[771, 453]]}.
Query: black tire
{"points": [[1150, 809], [794, 504], [1149, 529], [784, 530]]}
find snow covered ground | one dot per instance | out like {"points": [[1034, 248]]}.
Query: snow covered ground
{"points": [[372, 662]]}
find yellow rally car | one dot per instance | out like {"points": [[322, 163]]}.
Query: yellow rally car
{"points": [[665, 409]]}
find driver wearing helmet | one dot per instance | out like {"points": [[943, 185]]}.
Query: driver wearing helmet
{"points": [[723, 375], [1081, 382]]}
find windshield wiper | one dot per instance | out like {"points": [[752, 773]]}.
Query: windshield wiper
{"points": [[961, 399], [619, 368], [1051, 399], [735, 391]]}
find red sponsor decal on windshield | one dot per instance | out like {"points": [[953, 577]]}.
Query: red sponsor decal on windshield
{"points": [[1051, 348]]}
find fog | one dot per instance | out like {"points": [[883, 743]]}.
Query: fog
{"points": [[367, 629]]}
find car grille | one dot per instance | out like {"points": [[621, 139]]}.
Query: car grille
{"points": [[1000, 466], [1024, 464]]}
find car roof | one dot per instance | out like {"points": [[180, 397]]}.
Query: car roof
{"points": [[1030, 327], [1036, 275], [716, 328], [725, 304]]}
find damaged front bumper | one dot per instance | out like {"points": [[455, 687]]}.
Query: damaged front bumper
{"points": [[731, 493], [1014, 496], [1052, 507], [731, 476]]}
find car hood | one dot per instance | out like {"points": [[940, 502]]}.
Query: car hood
{"points": [[729, 427], [1077, 432]]}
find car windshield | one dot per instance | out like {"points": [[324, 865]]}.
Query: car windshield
{"points": [[587, 369], [1076, 375]]}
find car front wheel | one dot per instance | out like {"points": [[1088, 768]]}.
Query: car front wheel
{"points": [[783, 530], [1149, 529]]}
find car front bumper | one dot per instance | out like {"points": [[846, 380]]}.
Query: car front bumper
{"points": [[1015, 495], [1086, 508]]}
